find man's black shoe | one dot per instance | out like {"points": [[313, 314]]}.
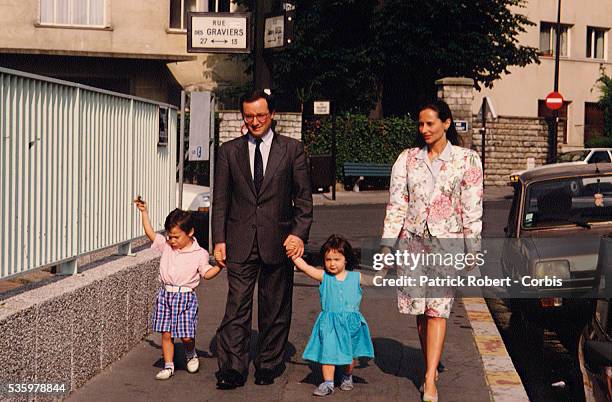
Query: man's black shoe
{"points": [[229, 379], [264, 376]]}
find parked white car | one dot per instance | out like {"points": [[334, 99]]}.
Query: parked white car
{"points": [[590, 155], [195, 198], [575, 157]]}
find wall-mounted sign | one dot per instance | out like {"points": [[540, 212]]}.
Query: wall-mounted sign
{"points": [[218, 32], [286, 6], [461, 126], [278, 31], [162, 139], [321, 107], [274, 32]]}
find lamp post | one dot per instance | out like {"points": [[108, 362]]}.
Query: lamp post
{"points": [[262, 75]]}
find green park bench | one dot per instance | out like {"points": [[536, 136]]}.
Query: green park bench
{"points": [[360, 170]]}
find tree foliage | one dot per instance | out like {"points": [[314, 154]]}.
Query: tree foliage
{"points": [[331, 56], [605, 101], [360, 52], [424, 41]]}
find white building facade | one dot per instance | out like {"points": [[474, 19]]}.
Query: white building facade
{"points": [[137, 47], [585, 51]]}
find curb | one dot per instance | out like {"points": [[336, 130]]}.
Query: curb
{"points": [[504, 382]]}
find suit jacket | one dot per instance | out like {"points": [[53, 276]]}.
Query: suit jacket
{"points": [[283, 206], [453, 210]]}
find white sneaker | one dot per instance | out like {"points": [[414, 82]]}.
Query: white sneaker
{"points": [[323, 390], [193, 364], [164, 374]]}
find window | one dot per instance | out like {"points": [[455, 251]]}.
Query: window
{"points": [[219, 6], [548, 38], [600, 157], [545, 112], [179, 9], [73, 12], [595, 43], [573, 156], [567, 201]]}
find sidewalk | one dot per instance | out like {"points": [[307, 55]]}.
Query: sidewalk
{"points": [[394, 375], [491, 193], [472, 342]]}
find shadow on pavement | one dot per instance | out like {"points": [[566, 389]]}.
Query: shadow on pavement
{"points": [[399, 360]]}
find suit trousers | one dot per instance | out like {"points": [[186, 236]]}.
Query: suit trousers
{"points": [[274, 296]]}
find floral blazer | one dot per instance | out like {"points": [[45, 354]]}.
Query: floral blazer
{"points": [[453, 210]]}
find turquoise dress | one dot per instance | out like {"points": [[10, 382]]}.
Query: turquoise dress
{"points": [[340, 332]]}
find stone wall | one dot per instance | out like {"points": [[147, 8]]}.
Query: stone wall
{"points": [[458, 93], [287, 123], [509, 143], [70, 330]]}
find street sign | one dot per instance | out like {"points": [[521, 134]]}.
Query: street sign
{"points": [[274, 32], [286, 6], [218, 32], [321, 107], [461, 126], [554, 101]]}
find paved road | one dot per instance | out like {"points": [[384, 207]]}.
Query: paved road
{"points": [[393, 376], [539, 365]]}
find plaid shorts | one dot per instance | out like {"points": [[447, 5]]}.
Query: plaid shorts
{"points": [[176, 313]]}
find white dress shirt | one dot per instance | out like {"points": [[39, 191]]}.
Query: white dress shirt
{"points": [[434, 165], [264, 148]]}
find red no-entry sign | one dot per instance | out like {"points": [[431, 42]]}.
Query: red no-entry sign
{"points": [[554, 101]]}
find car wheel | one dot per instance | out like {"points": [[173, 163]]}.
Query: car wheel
{"points": [[586, 378], [528, 328]]}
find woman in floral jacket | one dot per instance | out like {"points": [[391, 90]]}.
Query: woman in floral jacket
{"points": [[435, 193]]}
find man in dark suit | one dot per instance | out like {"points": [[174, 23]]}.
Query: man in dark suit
{"points": [[262, 212]]}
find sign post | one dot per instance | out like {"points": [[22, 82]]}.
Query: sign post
{"points": [[201, 119], [486, 109], [483, 132], [554, 102], [553, 125], [324, 108], [181, 150]]}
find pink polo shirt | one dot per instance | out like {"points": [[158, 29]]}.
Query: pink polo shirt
{"points": [[181, 267]]}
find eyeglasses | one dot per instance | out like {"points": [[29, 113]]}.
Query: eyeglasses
{"points": [[261, 117]]}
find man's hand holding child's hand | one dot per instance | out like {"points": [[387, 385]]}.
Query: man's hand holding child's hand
{"points": [[294, 246]]}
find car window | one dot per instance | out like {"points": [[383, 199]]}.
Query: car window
{"points": [[600, 157], [567, 201], [573, 156]]}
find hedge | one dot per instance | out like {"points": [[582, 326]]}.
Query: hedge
{"points": [[599, 142], [359, 139]]}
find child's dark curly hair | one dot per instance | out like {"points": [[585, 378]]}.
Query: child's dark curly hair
{"points": [[341, 245], [179, 218]]}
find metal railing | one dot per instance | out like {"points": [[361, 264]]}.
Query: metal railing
{"points": [[73, 158]]}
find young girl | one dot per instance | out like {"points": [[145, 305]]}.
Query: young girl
{"points": [[340, 333], [182, 263]]}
